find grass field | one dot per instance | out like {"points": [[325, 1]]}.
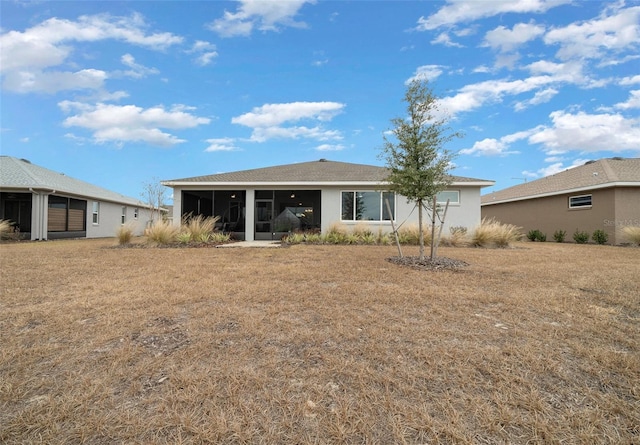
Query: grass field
{"points": [[537, 344]]}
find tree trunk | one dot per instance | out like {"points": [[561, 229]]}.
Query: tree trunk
{"points": [[420, 233], [433, 227]]}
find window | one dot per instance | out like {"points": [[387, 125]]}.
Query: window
{"points": [[96, 212], [135, 213], [579, 201], [123, 217], [367, 206], [452, 195]]}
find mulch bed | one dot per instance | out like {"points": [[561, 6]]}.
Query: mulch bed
{"points": [[438, 263]]}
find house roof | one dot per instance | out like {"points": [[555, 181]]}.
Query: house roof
{"points": [[318, 172], [603, 173], [20, 174]]}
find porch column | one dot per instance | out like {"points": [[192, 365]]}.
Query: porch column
{"points": [[250, 219]]}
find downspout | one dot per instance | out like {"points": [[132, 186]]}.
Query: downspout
{"points": [[41, 215]]}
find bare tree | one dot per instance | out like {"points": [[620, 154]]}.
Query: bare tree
{"points": [[418, 162], [154, 195]]}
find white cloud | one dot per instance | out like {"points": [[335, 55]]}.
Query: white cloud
{"points": [[471, 97], [129, 123], [426, 72], [540, 97], [259, 14], [631, 80], [27, 58], [496, 147], [53, 81], [554, 168], [588, 40], [330, 147], [205, 51], [507, 40], [632, 102], [460, 11], [444, 39], [588, 133], [221, 144], [275, 114], [136, 70]]}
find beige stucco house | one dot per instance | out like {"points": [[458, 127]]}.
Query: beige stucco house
{"points": [[44, 204], [267, 203], [603, 194]]}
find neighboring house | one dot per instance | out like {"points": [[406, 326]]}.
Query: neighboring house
{"points": [[267, 203], [602, 194], [44, 204]]}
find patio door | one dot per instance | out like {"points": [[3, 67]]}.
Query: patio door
{"points": [[264, 219]]}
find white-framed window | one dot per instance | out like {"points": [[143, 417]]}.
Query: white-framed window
{"points": [[452, 195], [367, 206], [123, 217], [135, 213], [582, 201], [96, 212]]}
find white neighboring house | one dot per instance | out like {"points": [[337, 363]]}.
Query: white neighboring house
{"points": [[267, 203], [45, 204]]}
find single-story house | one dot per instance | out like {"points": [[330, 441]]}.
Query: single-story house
{"points": [[267, 203], [603, 194], [44, 204]]}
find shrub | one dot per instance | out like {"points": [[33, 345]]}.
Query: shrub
{"points": [[580, 237], [600, 236], [124, 233], [457, 237], [559, 236], [183, 237], [162, 232], [536, 235], [410, 235], [8, 231], [632, 234], [362, 230], [491, 232], [219, 237], [200, 227]]}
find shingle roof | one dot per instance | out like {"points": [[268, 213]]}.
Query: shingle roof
{"points": [[21, 174], [322, 171], [593, 174]]}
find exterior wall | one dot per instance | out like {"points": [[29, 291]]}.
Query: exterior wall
{"points": [[552, 213], [110, 219], [466, 213], [627, 212]]}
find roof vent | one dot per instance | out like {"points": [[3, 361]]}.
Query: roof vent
{"points": [[617, 158], [322, 160], [589, 162], [25, 160]]}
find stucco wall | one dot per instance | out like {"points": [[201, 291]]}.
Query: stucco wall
{"points": [[627, 211], [552, 213], [466, 213], [110, 219]]}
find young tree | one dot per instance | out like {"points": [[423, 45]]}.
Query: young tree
{"points": [[154, 195], [418, 162]]}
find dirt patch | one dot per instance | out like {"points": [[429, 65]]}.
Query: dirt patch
{"points": [[438, 263]]}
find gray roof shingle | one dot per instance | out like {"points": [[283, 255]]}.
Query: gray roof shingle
{"points": [[593, 174], [21, 174], [321, 171]]}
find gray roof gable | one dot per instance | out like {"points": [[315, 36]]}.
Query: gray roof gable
{"points": [[593, 174], [321, 171], [23, 175]]}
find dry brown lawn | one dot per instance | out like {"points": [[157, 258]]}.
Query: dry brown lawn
{"points": [[318, 344]]}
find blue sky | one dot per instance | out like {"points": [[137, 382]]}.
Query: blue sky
{"points": [[122, 93]]}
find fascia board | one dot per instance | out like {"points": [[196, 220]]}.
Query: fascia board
{"points": [[564, 192], [239, 184]]}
